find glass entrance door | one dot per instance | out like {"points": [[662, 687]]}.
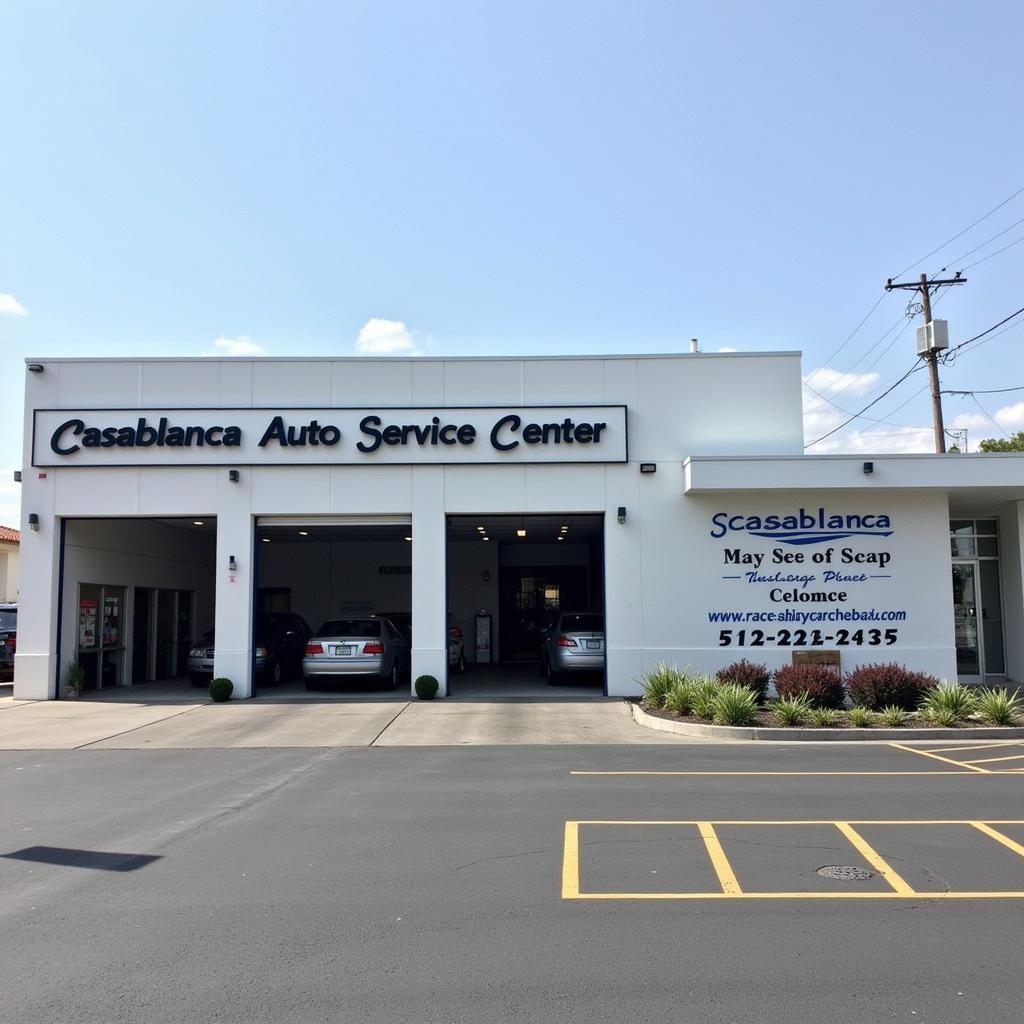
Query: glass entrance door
{"points": [[968, 638]]}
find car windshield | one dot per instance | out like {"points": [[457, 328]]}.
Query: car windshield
{"points": [[350, 627], [8, 619], [582, 623]]}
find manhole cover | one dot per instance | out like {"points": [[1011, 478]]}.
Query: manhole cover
{"points": [[845, 872]]}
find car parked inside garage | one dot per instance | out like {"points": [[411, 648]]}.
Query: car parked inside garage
{"points": [[573, 642], [345, 649], [280, 641]]}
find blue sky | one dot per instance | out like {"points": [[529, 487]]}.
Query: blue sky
{"points": [[466, 178]]}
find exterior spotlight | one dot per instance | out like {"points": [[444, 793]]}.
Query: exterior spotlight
{"points": [[232, 564], [869, 468], [648, 467], [33, 522], [17, 476], [621, 514], [233, 475], [35, 367]]}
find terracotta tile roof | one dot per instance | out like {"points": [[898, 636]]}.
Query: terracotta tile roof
{"points": [[7, 533]]}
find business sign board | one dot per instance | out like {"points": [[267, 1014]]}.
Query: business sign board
{"points": [[465, 435]]}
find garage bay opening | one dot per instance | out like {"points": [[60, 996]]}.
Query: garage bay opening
{"points": [[526, 602], [333, 607]]}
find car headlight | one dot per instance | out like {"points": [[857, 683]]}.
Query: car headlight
{"points": [[197, 652]]}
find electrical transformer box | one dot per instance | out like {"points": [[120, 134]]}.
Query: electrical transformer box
{"points": [[933, 337]]}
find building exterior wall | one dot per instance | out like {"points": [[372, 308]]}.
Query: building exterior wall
{"points": [[663, 567]]}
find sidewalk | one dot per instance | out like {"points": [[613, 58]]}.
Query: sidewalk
{"points": [[127, 723]]}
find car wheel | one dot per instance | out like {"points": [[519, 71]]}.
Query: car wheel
{"points": [[552, 676], [275, 675], [393, 683]]}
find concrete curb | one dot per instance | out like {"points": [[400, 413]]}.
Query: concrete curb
{"points": [[732, 732]]}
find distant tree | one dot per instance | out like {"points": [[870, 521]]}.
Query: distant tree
{"points": [[999, 444]]}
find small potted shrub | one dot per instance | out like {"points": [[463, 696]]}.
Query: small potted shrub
{"points": [[750, 674], [74, 681], [220, 689], [426, 687], [822, 684]]}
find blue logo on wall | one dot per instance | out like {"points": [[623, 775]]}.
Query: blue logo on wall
{"points": [[803, 526]]}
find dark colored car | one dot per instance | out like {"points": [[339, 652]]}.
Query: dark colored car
{"points": [[8, 639], [280, 639]]}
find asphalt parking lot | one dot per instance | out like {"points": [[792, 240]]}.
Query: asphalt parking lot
{"points": [[591, 883]]}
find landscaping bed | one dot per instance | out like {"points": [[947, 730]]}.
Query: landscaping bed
{"points": [[816, 701]]}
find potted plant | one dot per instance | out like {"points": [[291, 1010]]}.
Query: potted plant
{"points": [[220, 689], [426, 687], [74, 681]]}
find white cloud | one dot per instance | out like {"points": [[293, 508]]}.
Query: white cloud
{"points": [[386, 337], [824, 379], [9, 304], [1009, 417], [879, 440], [240, 346]]}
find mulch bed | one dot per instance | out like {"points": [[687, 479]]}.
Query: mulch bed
{"points": [[766, 720]]}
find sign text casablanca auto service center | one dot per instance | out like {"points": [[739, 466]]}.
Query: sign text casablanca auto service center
{"points": [[164, 500]]}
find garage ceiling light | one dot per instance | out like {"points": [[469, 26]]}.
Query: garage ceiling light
{"points": [[197, 522], [521, 532], [565, 529], [266, 540], [481, 529], [485, 537], [559, 537], [408, 538], [303, 533]]}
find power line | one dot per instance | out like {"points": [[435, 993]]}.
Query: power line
{"points": [[971, 252], [986, 414], [996, 253], [989, 391], [893, 387], [956, 348], [961, 233]]}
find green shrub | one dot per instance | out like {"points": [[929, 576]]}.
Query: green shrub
{"points": [[824, 718], [860, 717], [949, 701], [875, 686], [657, 682], [998, 706], [705, 696], [793, 710], [753, 676], [822, 684], [892, 716], [734, 705], [680, 698], [221, 689], [426, 687]]}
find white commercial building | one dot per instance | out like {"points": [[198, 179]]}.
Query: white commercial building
{"points": [[163, 498]]}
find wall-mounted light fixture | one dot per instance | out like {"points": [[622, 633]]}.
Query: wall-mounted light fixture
{"points": [[648, 467], [621, 515], [35, 367], [869, 468], [17, 476], [232, 564], [486, 575], [233, 475], [33, 522]]}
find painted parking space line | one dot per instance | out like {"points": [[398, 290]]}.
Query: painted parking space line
{"points": [[730, 888], [939, 757], [991, 760], [963, 771], [976, 746]]}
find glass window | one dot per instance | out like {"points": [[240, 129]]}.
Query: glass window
{"points": [[360, 628], [962, 547], [962, 526], [986, 526], [988, 547]]}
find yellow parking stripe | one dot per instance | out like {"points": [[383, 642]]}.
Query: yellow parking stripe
{"points": [[918, 895], [989, 760], [938, 757], [975, 746], [999, 837], [571, 861], [875, 859], [773, 774], [726, 877]]}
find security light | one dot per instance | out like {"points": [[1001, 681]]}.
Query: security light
{"points": [[232, 564], [233, 475], [17, 476], [35, 367], [869, 468], [621, 516], [33, 522], [648, 467]]}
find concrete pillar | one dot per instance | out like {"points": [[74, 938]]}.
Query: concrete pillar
{"points": [[429, 570], [1011, 567], [36, 661], [234, 589]]}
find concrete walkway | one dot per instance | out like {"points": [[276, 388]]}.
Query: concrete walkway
{"points": [[127, 723]]}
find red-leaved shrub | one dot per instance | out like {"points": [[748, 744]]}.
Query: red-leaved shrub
{"points": [[878, 686], [822, 683], [753, 676]]}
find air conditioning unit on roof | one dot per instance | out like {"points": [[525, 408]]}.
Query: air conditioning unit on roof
{"points": [[932, 337]]}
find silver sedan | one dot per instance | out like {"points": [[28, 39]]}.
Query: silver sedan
{"points": [[573, 643], [344, 648]]}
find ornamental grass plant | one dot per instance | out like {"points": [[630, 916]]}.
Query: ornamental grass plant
{"points": [[998, 706], [860, 717], [948, 703], [791, 711], [734, 705], [657, 682]]}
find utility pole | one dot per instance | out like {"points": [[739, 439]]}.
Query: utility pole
{"points": [[924, 287]]}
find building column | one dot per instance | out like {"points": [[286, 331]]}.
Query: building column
{"points": [[36, 658], [233, 613], [429, 577]]}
